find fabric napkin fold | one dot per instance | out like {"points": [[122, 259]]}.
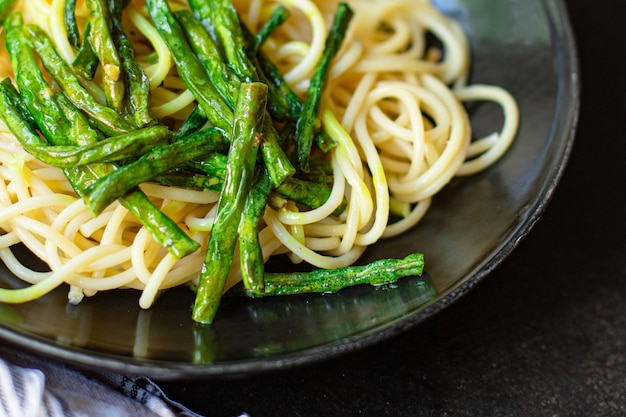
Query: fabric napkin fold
{"points": [[32, 386]]}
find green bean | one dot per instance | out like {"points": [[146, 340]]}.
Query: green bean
{"points": [[309, 121], [158, 160], [379, 272], [246, 138], [109, 121], [105, 48]]}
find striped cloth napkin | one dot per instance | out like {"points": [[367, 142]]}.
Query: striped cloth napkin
{"points": [[31, 386]]}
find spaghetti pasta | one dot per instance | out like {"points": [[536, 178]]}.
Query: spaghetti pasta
{"points": [[393, 105]]}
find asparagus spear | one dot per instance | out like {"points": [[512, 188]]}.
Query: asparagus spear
{"points": [[53, 122], [227, 81], [86, 61], [284, 104], [212, 104], [251, 256], [210, 50], [109, 121], [103, 44], [190, 180], [310, 193], [164, 231], [69, 16], [247, 135], [160, 159], [279, 15], [222, 21], [38, 96], [108, 150], [194, 122], [189, 66], [382, 271], [309, 120], [222, 76], [136, 79]]}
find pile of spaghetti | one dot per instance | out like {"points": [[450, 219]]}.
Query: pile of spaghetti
{"points": [[152, 144]]}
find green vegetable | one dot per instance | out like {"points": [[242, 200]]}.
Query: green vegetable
{"points": [[108, 119], [220, 19], [251, 257], [136, 79], [164, 231], [6, 7], [309, 121], [194, 122], [310, 193], [107, 150], [382, 271], [279, 15], [189, 66], [37, 96], [247, 136], [226, 82], [86, 61], [104, 46], [284, 104], [189, 180], [158, 160], [69, 16], [63, 124]]}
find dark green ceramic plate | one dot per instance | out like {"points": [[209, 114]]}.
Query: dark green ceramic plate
{"points": [[524, 46]]}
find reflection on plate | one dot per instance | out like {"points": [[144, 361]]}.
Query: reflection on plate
{"points": [[472, 225]]}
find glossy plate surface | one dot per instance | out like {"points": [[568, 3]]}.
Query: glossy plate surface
{"points": [[524, 46]]}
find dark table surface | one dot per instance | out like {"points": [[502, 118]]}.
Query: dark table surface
{"points": [[543, 335]]}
